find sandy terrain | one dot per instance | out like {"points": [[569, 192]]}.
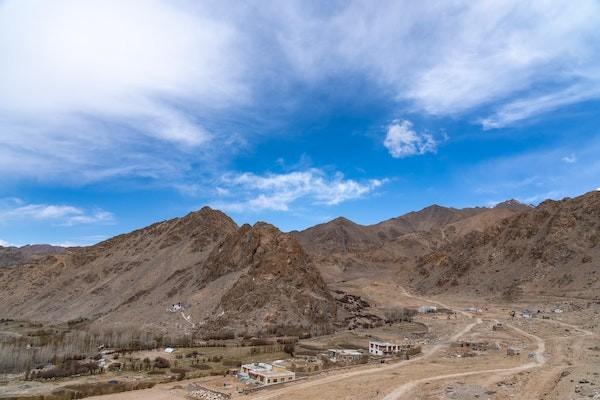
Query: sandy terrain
{"points": [[555, 362]]}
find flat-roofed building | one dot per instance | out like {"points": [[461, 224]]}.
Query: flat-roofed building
{"points": [[344, 355], [379, 348], [266, 374]]}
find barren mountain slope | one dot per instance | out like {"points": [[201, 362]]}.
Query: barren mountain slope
{"points": [[343, 249], [278, 287], [427, 219], [552, 249], [480, 221], [134, 278], [18, 255], [339, 236]]}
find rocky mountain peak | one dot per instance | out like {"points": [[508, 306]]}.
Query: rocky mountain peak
{"points": [[513, 205]]}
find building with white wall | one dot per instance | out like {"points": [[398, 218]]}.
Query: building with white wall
{"points": [[266, 374], [344, 355], [379, 348]]}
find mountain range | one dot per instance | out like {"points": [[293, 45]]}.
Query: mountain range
{"points": [[254, 279]]}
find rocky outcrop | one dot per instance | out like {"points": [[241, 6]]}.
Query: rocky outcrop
{"points": [[252, 277], [278, 289], [344, 250], [552, 249]]}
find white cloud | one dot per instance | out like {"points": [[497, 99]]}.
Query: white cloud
{"points": [[95, 89], [451, 57], [279, 191], [88, 86], [402, 141], [4, 243], [539, 197], [528, 107], [15, 209], [114, 58], [69, 244], [533, 176], [569, 159]]}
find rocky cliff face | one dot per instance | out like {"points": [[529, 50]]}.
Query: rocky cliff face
{"points": [[201, 260], [553, 249], [278, 287]]}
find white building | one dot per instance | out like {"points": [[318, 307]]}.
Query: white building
{"points": [[378, 348], [426, 309], [344, 355], [266, 374]]}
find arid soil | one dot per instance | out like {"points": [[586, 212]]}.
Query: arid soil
{"points": [[556, 360], [227, 278], [511, 276], [10, 256]]}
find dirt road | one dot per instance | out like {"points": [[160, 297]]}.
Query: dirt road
{"points": [[405, 388], [539, 360], [376, 370], [409, 379]]}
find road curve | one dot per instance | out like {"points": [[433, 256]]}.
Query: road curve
{"points": [[386, 367], [539, 360]]}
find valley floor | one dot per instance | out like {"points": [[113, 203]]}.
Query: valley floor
{"points": [[560, 359]]}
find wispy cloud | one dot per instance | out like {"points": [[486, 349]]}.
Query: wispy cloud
{"points": [[99, 89], [537, 175], [403, 141], [4, 243], [454, 57], [15, 209], [280, 191], [539, 197], [93, 90], [570, 159], [528, 107]]}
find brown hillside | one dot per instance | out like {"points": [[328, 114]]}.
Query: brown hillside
{"points": [[552, 249], [344, 250], [133, 278], [18, 255]]}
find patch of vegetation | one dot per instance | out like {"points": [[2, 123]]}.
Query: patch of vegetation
{"points": [[160, 362], [97, 389], [232, 363]]}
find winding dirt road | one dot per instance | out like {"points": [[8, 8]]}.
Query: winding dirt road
{"points": [[404, 390], [387, 367], [539, 360], [402, 380]]}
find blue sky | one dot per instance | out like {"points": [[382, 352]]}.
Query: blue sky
{"points": [[114, 115]]}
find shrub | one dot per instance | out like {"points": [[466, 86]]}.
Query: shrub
{"points": [[399, 314], [114, 366], [289, 348], [193, 354], [160, 362], [220, 335], [232, 363]]}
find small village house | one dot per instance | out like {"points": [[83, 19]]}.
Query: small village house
{"points": [[266, 374], [379, 348], [344, 355], [427, 309]]}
